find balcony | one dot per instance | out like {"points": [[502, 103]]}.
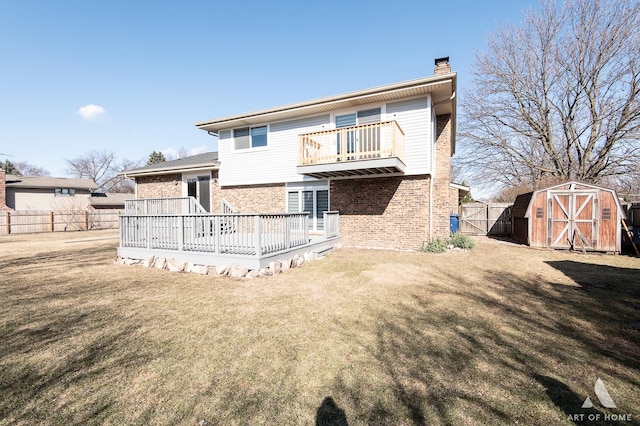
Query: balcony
{"points": [[351, 152]]}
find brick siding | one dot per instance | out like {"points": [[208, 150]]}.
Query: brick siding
{"points": [[443, 202], [386, 212], [251, 198], [161, 186]]}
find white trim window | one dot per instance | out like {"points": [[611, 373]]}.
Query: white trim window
{"points": [[64, 192], [309, 198], [250, 137]]}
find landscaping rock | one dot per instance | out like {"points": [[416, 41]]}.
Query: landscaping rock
{"points": [[286, 264], [275, 267], [148, 261], [298, 261], [175, 265], [309, 256], [200, 269], [254, 273], [237, 271], [129, 261], [119, 261], [222, 270], [159, 263]]}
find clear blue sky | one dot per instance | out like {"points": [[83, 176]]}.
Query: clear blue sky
{"points": [[145, 71]]}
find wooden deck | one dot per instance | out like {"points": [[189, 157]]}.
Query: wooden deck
{"points": [[250, 240]]}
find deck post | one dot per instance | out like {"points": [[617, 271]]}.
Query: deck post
{"points": [[217, 234], [256, 230], [287, 231], [147, 227], [180, 233]]}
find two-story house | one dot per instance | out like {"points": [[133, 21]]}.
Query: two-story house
{"points": [[380, 157]]}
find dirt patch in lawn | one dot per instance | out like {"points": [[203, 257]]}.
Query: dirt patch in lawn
{"points": [[496, 335]]}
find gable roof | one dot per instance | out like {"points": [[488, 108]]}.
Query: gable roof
{"points": [[207, 160], [13, 181], [442, 87]]}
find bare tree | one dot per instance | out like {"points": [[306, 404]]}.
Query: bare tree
{"points": [[557, 97], [27, 169], [103, 167]]}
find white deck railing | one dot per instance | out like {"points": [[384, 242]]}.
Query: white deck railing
{"points": [[331, 224], [176, 205], [363, 142], [253, 235]]}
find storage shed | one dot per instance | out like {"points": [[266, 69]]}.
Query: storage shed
{"points": [[571, 215]]}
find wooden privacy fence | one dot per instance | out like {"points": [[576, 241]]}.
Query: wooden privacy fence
{"points": [[485, 219], [33, 221]]}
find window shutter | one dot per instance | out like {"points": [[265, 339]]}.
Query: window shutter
{"points": [[345, 120], [293, 204], [369, 116]]}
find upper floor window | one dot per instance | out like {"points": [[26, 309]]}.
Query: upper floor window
{"points": [[250, 137], [65, 192]]}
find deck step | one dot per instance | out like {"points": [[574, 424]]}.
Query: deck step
{"points": [[322, 252]]}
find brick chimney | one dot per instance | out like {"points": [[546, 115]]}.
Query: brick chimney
{"points": [[442, 66], [3, 189]]}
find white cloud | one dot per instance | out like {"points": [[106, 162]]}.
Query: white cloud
{"points": [[92, 112]]}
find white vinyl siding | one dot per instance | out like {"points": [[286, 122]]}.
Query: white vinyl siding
{"points": [[414, 117], [275, 163]]}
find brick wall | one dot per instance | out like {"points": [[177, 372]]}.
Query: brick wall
{"points": [[390, 212], [443, 201], [251, 198], [161, 186]]}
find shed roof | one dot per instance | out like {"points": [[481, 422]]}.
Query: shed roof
{"points": [[207, 160], [521, 204], [567, 186]]}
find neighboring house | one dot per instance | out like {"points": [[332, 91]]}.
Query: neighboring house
{"points": [[380, 157], [44, 192], [108, 200]]}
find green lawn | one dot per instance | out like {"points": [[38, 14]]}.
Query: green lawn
{"points": [[501, 334]]}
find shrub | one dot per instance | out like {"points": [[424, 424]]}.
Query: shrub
{"points": [[461, 241], [435, 246], [457, 240]]}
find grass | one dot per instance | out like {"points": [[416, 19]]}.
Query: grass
{"points": [[501, 334]]}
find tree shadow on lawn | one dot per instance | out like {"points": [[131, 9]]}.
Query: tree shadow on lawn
{"points": [[64, 366], [91, 256], [510, 349]]}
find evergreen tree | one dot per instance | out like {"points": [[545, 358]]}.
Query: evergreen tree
{"points": [[155, 158]]}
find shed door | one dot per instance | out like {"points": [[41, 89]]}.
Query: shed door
{"points": [[572, 220]]}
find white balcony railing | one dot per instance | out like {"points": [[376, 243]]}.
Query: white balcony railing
{"points": [[355, 143]]}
